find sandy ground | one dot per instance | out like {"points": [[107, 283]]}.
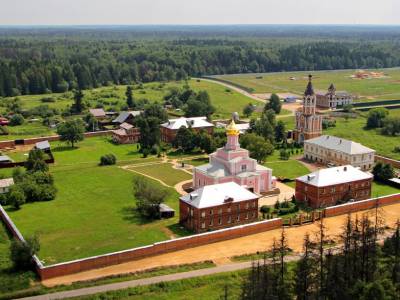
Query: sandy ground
{"points": [[222, 251], [286, 193]]}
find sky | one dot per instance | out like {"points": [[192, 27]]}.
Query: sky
{"points": [[132, 12]]}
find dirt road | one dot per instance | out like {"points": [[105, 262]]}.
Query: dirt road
{"points": [[221, 250]]}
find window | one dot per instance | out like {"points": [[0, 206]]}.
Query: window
{"points": [[238, 207], [211, 211], [191, 212], [244, 167], [203, 225], [220, 211], [229, 209], [219, 221], [247, 205], [229, 219], [211, 222], [203, 214], [247, 215], [238, 218], [253, 214]]}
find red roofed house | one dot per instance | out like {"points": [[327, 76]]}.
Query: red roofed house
{"points": [[327, 187], [170, 128], [126, 134]]}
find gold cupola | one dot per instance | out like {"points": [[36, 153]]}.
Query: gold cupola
{"points": [[231, 129]]}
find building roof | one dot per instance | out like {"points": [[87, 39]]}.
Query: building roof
{"points": [[6, 182], [218, 194], [196, 122], [97, 112], [126, 126], [125, 114], [165, 208], [5, 158], [120, 132], [215, 169], [339, 144], [333, 176], [309, 89], [43, 145]]}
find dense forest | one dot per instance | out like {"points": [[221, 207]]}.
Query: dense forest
{"points": [[42, 60]]}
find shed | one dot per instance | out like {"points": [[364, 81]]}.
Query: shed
{"points": [[166, 211], [5, 159], [43, 145]]}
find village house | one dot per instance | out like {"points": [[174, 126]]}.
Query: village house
{"points": [[327, 187], [308, 122], [5, 185], [332, 150], [98, 113], [218, 206], [126, 134], [333, 98], [127, 117], [232, 163], [170, 128]]}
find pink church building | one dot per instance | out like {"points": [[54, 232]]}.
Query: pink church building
{"points": [[233, 164]]}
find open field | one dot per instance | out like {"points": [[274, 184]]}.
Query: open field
{"points": [[353, 129], [384, 88], [93, 212], [163, 172]]}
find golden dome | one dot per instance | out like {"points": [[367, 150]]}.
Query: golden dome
{"points": [[231, 129]]}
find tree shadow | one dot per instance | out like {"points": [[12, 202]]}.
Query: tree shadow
{"points": [[130, 214], [63, 148], [179, 230]]}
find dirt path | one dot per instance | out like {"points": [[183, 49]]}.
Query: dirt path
{"points": [[224, 249], [179, 187], [127, 168]]}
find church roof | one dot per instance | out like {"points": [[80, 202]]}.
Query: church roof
{"points": [[215, 170], [232, 129], [309, 90], [218, 194]]}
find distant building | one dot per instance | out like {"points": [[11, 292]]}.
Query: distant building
{"points": [[333, 150], [290, 99], [308, 122], [333, 99], [127, 117], [126, 134], [327, 187], [218, 206], [170, 128], [232, 163], [166, 211], [5, 185], [44, 146], [98, 113], [5, 159]]}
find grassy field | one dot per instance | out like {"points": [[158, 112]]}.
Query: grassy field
{"points": [[163, 172], [387, 87], [353, 129], [93, 212], [290, 169]]}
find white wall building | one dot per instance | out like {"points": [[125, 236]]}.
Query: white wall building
{"points": [[333, 150]]}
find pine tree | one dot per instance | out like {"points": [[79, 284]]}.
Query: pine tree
{"points": [[129, 97]]}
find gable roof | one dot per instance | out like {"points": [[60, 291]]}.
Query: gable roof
{"points": [[196, 122], [339, 144], [218, 194], [333, 176], [6, 182], [125, 114], [97, 112], [43, 145], [126, 126]]}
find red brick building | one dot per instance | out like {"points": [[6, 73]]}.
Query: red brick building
{"points": [[218, 206], [126, 134], [327, 187], [170, 128]]}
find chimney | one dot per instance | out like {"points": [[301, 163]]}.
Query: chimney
{"points": [[345, 168]]}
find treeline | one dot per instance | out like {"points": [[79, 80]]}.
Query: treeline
{"points": [[359, 269], [44, 63]]}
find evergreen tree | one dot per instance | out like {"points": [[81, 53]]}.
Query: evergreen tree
{"points": [[129, 97]]}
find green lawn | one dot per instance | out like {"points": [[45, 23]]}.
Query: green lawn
{"points": [[365, 89], [27, 130], [380, 189], [287, 168], [93, 212], [164, 172], [353, 129]]}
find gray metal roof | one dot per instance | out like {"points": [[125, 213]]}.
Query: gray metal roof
{"points": [[5, 158], [43, 145], [339, 144], [125, 114]]}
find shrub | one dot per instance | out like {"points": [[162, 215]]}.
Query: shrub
{"points": [[21, 253], [16, 120], [16, 197], [108, 159], [48, 100]]}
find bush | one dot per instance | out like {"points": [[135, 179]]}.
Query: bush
{"points": [[21, 253], [16, 120], [48, 100], [108, 159], [16, 197]]}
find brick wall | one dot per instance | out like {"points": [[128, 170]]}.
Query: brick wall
{"points": [[394, 163], [31, 141]]}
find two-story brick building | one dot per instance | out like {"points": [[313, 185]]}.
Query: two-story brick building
{"points": [[327, 187], [218, 206]]}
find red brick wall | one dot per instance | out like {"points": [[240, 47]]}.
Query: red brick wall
{"points": [[394, 163]]}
